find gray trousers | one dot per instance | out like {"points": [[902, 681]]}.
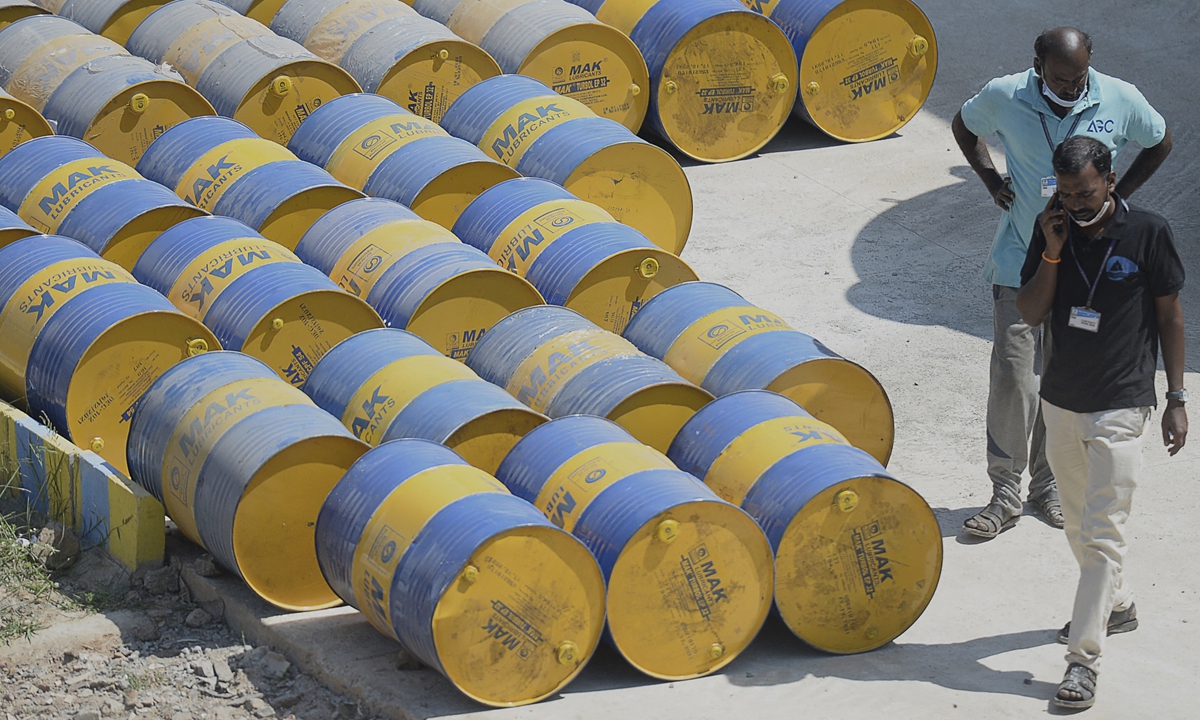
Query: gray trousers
{"points": [[1016, 433]]}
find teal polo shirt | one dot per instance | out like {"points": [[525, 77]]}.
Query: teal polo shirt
{"points": [[1114, 112]]}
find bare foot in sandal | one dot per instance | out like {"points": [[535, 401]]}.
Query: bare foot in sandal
{"points": [[1050, 508], [1077, 690], [990, 521]]}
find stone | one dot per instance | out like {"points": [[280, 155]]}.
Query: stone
{"points": [[274, 665], [146, 630], [163, 580], [222, 669], [205, 566], [87, 715], [204, 668], [56, 547], [406, 661], [182, 715], [197, 618], [347, 711]]}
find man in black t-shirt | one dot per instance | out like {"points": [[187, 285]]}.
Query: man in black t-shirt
{"points": [[1109, 278]]}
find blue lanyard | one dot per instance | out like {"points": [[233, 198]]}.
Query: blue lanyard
{"points": [[1092, 284], [1050, 140]]}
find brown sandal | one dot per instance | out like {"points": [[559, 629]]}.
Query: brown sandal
{"points": [[994, 519]]}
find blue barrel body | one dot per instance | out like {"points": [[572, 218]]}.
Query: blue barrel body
{"points": [[336, 231], [170, 156], [260, 192], [410, 169], [320, 135], [21, 39], [168, 256], [408, 282], [98, 218], [500, 353], [23, 167], [499, 206], [351, 363], [12, 227], [373, 55], [247, 300], [439, 412]]}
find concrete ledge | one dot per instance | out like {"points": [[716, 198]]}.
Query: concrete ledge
{"points": [[51, 476]]}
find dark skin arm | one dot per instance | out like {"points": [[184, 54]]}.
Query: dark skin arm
{"points": [[1036, 297], [1170, 333], [975, 150], [1144, 165]]}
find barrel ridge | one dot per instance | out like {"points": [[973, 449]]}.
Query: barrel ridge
{"points": [[98, 217], [169, 255], [559, 268], [538, 455], [19, 40], [342, 371], [757, 361], [406, 172], [236, 311], [442, 410], [259, 192], [173, 152], [371, 57], [155, 35], [599, 389], [564, 148], [519, 31], [23, 167], [233, 73], [402, 288], [501, 350], [20, 260], [333, 234], [320, 135], [659, 323], [86, 91], [482, 104], [710, 431], [482, 221]]}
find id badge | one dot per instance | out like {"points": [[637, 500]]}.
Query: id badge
{"points": [[1084, 319], [1049, 186]]}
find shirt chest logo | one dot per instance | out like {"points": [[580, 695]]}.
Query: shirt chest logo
{"points": [[1101, 126], [1120, 268]]}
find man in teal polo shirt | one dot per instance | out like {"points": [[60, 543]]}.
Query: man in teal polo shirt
{"points": [[1033, 113]]}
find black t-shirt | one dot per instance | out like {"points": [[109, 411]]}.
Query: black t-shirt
{"points": [[1114, 367]]}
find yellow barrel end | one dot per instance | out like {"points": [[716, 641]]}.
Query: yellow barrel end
{"points": [[121, 24], [135, 117], [132, 239], [838, 584], [550, 650], [19, 122], [486, 441], [429, 79], [467, 305], [655, 414], [261, 10], [288, 222], [612, 291], [447, 195], [14, 10], [282, 99]]}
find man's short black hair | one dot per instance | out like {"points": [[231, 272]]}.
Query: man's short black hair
{"points": [[1077, 152], [1055, 41]]}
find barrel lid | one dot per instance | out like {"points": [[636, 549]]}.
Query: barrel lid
{"points": [[467, 305], [614, 289], [136, 116], [867, 68], [858, 565], [19, 122], [435, 81], [486, 440], [445, 197], [655, 414], [280, 100]]}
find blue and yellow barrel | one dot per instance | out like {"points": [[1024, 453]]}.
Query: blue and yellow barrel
{"points": [[558, 363], [390, 49], [866, 66], [710, 335], [270, 83], [414, 272], [572, 251], [722, 79], [261, 10], [92, 87], [14, 10], [562, 46], [390, 384], [19, 123], [690, 576], [61, 185], [524, 124], [858, 554], [12, 227], [474, 582], [81, 340], [243, 462], [222, 166], [255, 295], [372, 144], [114, 19]]}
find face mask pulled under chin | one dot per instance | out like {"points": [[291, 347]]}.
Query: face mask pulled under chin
{"points": [[1095, 219], [1059, 101]]}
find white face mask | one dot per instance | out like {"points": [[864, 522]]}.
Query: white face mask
{"points": [[1093, 221], [1059, 101]]}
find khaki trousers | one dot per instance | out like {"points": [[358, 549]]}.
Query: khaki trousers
{"points": [[1096, 459]]}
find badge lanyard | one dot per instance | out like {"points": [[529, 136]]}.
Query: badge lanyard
{"points": [[1049, 139], [1093, 284]]}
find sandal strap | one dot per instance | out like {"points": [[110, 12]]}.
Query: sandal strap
{"points": [[1081, 677]]}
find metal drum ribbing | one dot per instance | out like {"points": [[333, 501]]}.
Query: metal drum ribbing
{"points": [[689, 575], [97, 355], [373, 144], [866, 66], [389, 384], [114, 19], [562, 46], [62, 185], [38, 275], [714, 338], [522, 123], [38, 53], [858, 554], [556, 362], [261, 10], [12, 227], [19, 122], [389, 49], [258, 460], [474, 582], [571, 250], [415, 273], [255, 295], [248, 72], [14, 10], [722, 79], [221, 166]]}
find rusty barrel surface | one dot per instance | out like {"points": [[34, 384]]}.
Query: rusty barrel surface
{"points": [[414, 272], [243, 462], [858, 554]]}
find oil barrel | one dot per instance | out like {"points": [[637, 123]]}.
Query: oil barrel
{"points": [[243, 462], [858, 554], [415, 273], [560, 45], [390, 49], [722, 78], [710, 335], [14, 10], [255, 295], [261, 10], [524, 124], [689, 576], [98, 352], [114, 19], [572, 251], [389, 384], [12, 227], [372, 144], [19, 122], [866, 66], [222, 166], [91, 87], [474, 582], [249, 73], [557, 362], [62, 185]]}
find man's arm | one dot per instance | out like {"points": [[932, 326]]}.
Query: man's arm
{"points": [[1144, 165], [975, 150], [1036, 297], [1170, 333]]}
